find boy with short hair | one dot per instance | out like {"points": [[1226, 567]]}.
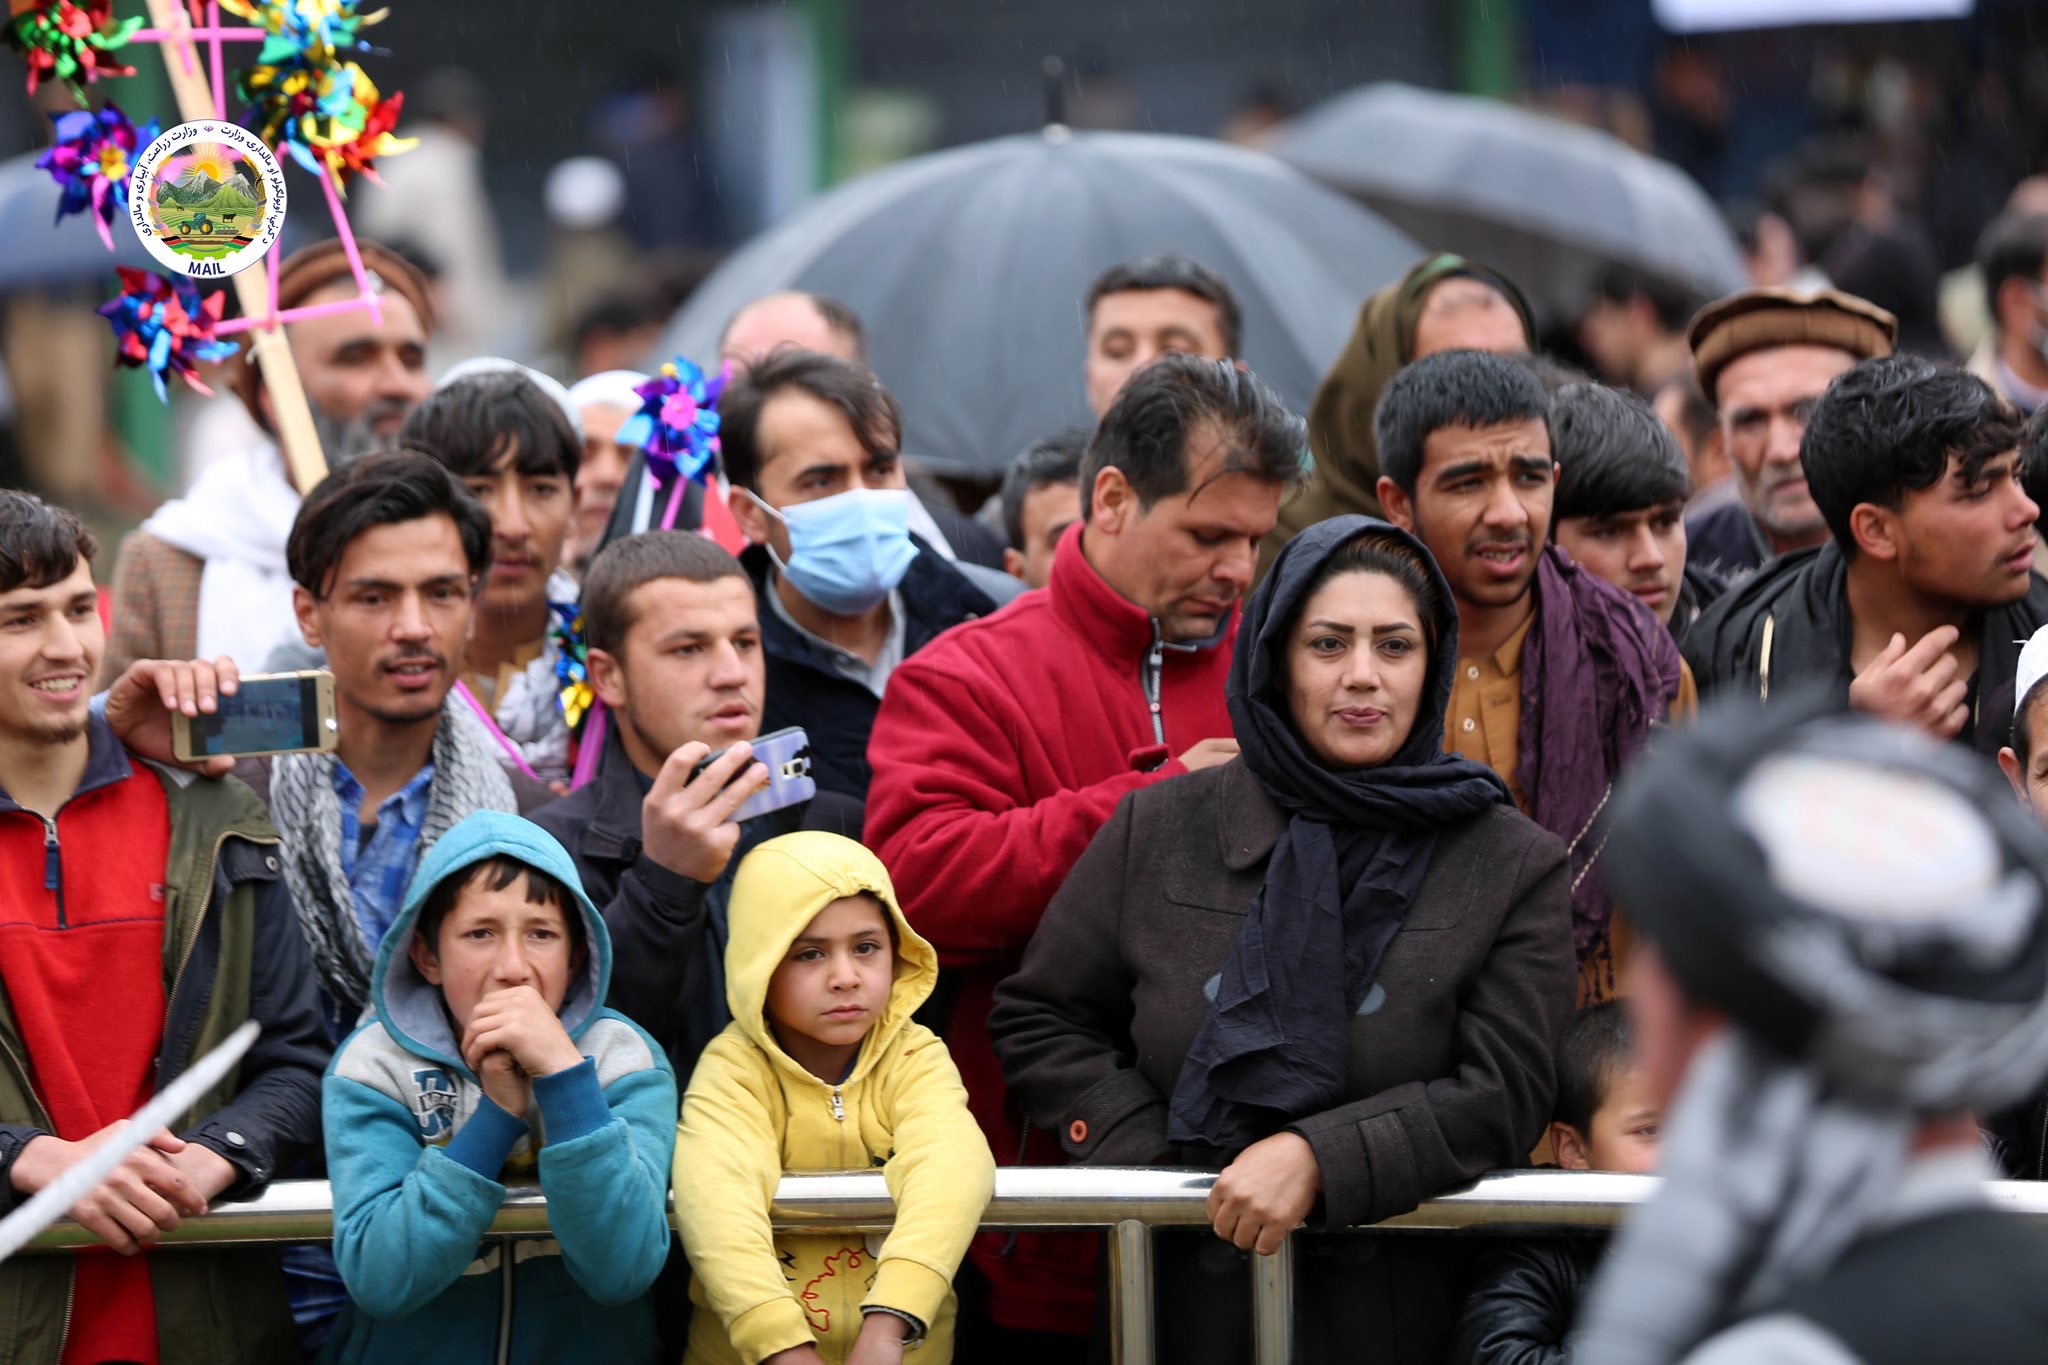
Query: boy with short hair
{"points": [[490, 1058], [823, 1069], [1527, 1293], [1622, 487]]}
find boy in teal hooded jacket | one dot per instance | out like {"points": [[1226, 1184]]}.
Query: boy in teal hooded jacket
{"points": [[491, 1060]]}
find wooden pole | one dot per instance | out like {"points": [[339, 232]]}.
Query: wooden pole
{"points": [[290, 413]]}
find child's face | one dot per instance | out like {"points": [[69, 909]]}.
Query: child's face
{"points": [[494, 940], [1626, 1128], [833, 985], [2028, 772]]}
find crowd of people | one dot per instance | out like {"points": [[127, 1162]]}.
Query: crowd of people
{"points": [[1298, 799]]}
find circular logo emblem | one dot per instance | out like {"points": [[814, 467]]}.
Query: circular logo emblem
{"points": [[207, 199]]}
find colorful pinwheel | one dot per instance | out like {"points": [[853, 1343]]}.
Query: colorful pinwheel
{"points": [[68, 40], [571, 661], [91, 160], [166, 326], [677, 424], [309, 32]]}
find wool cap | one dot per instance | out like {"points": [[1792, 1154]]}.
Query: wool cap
{"points": [[1755, 319]]}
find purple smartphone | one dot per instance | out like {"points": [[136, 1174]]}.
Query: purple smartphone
{"points": [[787, 754]]}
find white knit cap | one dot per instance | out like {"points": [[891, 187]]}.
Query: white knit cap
{"points": [[2033, 667]]}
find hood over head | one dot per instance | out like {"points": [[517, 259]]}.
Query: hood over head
{"points": [[1340, 419], [410, 1006], [780, 888]]}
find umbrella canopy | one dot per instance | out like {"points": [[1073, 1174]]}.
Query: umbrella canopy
{"points": [[41, 250], [968, 268], [1546, 201]]}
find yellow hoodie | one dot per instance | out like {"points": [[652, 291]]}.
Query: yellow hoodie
{"points": [[751, 1113]]}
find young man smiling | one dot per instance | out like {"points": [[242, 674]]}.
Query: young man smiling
{"points": [[1560, 673], [141, 922]]}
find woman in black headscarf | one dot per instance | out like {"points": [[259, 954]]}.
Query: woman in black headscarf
{"points": [[1335, 969]]}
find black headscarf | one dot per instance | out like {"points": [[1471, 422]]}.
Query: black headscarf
{"points": [[1275, 1044]]}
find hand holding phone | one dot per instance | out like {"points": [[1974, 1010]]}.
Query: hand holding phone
{"points": [[686, 819], [268, 713], [786, 753]]}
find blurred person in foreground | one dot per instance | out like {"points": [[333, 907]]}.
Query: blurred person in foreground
{"points": [[1917, 605], [1444, 303], [205, 576], [1846, 930]]}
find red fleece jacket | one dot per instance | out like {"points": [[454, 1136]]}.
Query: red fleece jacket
{"points": [[1000, 749]]}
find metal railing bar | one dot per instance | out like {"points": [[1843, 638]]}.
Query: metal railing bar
{"points": [[1517, 1203], [1130, 1294], [1273, 1307]]}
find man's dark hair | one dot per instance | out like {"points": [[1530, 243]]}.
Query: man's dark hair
{"points": [[2034, 464], [1613, 455], [838, 318], [495, 874], [634, 561], [853, 389], [380, 490], [40, 545], [614, 315], [1171, 270], [1599, 1044], [1450, 389], [1553, 374], [1889, 426], [1696, 412], [2012, 245], [1047, 461], [474, 423], [1145, 432], [1673, 306]]}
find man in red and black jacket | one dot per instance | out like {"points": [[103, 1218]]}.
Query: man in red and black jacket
{"points": [[1003, 746], [142, 920]]}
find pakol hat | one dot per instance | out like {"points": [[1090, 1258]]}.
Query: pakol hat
{"points": [[1759, 318]]}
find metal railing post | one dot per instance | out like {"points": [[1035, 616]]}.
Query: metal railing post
{"points": [[1130, 1293], [1273, 1306]]}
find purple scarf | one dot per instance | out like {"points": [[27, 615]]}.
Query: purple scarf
{"points": [[1597, 672]]}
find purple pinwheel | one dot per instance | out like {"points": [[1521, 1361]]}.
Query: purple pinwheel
{"points": [[165, 326], [91, 161], [677, 426]]}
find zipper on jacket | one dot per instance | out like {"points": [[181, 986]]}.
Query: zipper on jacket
{"points": [[1155, 661], [838, 1106], [53, 868], [505, 1303]]}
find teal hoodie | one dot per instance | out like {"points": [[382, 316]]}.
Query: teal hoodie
{"points": [[419, 1156]]}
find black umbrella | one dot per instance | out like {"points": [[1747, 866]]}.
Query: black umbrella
{"points": [[41, 250], [1543, 200], [969, 267]]}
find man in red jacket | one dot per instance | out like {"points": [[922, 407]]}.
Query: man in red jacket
{"points": [[1002, 746]]}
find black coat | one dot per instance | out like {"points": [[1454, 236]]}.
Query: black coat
{"points": [[1788, 626], [1523, 1301], [837, 713], [668, 932], [1450, 1070]]}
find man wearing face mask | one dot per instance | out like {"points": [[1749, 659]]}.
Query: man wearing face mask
{"points": [[847, 592]]}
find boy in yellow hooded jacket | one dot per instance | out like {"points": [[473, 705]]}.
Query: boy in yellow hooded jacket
{"points": [[822, 1069]]}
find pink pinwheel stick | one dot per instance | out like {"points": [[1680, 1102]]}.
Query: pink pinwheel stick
{"points": [[348, 244], [317, 310], [217, 35], [220, 80]]}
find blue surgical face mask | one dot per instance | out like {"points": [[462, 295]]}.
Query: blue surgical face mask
{"points": [[849, 551]]}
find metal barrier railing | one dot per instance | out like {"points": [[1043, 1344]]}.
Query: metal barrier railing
{"points": [[1129, 1202]]}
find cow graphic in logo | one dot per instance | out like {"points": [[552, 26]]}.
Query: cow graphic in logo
{"points": [[434, 1102]]}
